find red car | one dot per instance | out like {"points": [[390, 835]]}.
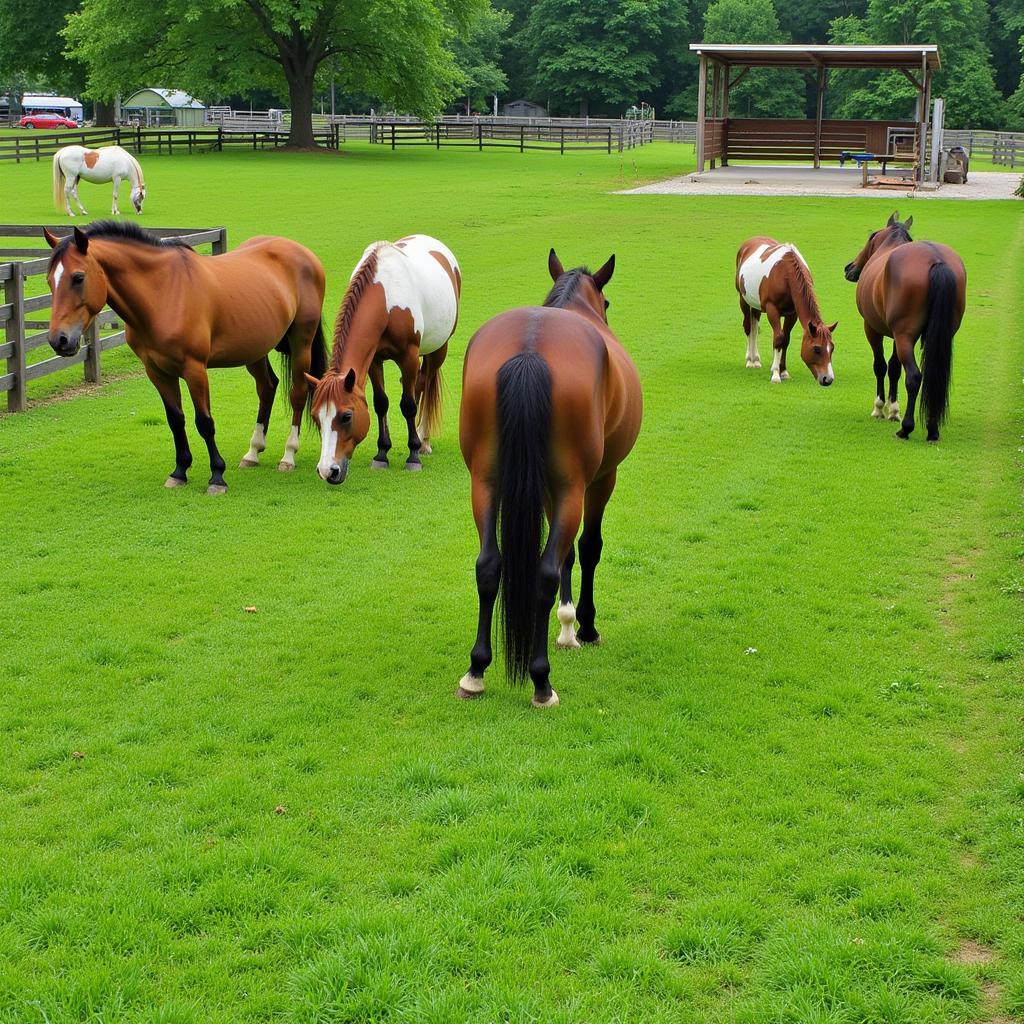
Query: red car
{"points": [[47, 121]]}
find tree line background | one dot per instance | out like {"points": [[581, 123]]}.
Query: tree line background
{"points": [[570, 56]]}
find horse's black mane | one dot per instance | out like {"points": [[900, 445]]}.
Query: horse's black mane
{"points": [[901, 231], [123, 230], [565, 287]]}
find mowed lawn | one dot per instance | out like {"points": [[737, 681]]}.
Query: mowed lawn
{"points": [[787, 787]]}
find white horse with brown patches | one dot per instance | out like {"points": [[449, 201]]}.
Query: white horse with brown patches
{"points": [[111, 163], [773, 278], [402, 304]]}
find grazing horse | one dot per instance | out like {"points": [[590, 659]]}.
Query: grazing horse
{"points": [[184, 312], [908, 290], [112, 163], [773, 278], [551, 404], [402, 303]]}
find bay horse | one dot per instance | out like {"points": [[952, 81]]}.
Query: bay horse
{"points": [[111, 163], [402, 303], [773, 278], [184, 312], [551, 405], [906, 291]]}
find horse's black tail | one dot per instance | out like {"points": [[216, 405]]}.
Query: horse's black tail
{"points": [[317, 361], [524, 437], [937, 343]]}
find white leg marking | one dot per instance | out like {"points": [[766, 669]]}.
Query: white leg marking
{"points": [[880, 409], [551, 702], [469, 684], [567, 619], [425, 448], [291, 447], [776, 363], [755, 326], [256, 445], [892, 410]]}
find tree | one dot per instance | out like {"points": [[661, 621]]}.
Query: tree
{"points": [[602, 52], [476, 56], [763, 92], [394, 49], [31, 47]]}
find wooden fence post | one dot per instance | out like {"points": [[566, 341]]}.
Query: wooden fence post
{"points": [[220, 244], [561, 145], [522, 137], [393, 142], [14, 333], [92, 354], [480, 135]]}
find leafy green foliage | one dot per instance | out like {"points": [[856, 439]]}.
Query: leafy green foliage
{"points": [[31, 47], [604, 54], [394, 49], [478, 56]]}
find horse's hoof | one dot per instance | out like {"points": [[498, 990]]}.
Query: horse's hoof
{"points": [[425, 449], [380, 464], [785, 375], [933, 440], [470, 687], [248, 463], [551, 702], [776, 379], [217, 489], [877, 414], [596, 642], [903, 435], [285, 467], [414, 467], [567, 644], [172, 481], [894, 416], [757, 364]]}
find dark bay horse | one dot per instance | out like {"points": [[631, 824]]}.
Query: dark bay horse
{"points": [[184, 312], [774, 279], [908, 290], [551, 404], [402, 304]]}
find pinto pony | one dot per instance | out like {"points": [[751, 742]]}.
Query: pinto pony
{"points": [[773, 278], [551, 404], [908, 290], [402, 304], [184, 312], [111, 163]]}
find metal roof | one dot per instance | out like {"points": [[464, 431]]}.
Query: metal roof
{"points": [[778, 55], [172, 97]]}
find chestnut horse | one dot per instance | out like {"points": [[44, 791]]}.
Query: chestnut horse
{"points": [[773, 278], [184, 313], [402, 303], [551, 404], [908, 290]]}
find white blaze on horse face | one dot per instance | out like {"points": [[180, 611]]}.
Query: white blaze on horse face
{"points": [[328, 439], [413, 279], [755, 269], [57, 275]]}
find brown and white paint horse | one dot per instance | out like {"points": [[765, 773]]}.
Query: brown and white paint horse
{"points": [[908, 290], [184, 313], [402, 303], [71, 164], [551, 405], [773, 278]]}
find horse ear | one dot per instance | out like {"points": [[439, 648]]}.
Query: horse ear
{"points": [[832, 327], [894, 219], [555, 268], [51, 239], [350, 380], [604, 275], [315, 381], [812, 329], [81, 241], [909, 221]]}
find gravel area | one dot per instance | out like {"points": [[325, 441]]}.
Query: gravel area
{"points": [[787, 181]]}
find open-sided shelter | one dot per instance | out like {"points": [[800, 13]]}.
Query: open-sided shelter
{"points": [[807, 140]]}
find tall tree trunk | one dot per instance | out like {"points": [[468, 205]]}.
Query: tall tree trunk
{"points": [[300, 93], [103, 113]]}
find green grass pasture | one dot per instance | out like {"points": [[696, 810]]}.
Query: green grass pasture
{"points": [[787, 787]]}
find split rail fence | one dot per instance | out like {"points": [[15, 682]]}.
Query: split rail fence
{"points": [[25, 296]]}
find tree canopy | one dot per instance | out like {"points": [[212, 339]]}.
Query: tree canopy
{"points": [[394, 49]]}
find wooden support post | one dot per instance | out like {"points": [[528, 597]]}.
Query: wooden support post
{"points": [[922, 117], [92, 353], [927, 114], [14, 333], [220, 244], [818, 116], [702, 100], [726, 86], [716, 84]]}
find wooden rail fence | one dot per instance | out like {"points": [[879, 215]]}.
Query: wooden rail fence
{"points": [[23, 331]]}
